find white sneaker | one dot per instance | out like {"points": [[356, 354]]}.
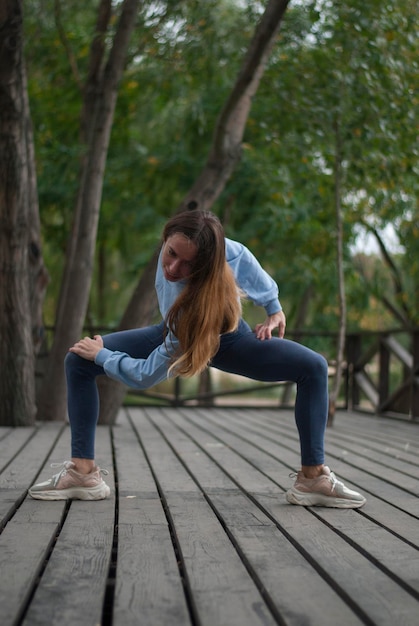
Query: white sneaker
{"points": [[69, 484], [325, 490]]}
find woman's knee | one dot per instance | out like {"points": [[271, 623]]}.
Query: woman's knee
{"points": [[319, 366], [71, 359], [72, 362], [75, 364]]}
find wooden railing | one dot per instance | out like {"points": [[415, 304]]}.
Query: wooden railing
{"points": [[381, 376], [383, 372]]}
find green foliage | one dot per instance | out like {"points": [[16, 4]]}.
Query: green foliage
{"points": [[339, 70]]}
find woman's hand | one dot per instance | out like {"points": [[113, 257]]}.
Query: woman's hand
{"points": [[88, 348], [277, 320]]}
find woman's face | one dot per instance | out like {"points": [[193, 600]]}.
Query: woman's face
{"points": [[179, 253]]}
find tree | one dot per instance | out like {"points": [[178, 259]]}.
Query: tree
{"points": [[223, 156], [100, 93], [345, 79], [281, 198], [341, 339], [22, 274]]}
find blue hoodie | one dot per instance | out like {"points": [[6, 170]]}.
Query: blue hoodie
{"points": [[252, 279]]}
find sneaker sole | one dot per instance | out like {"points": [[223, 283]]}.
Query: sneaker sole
{"points": [[318, 499], [101, 492]]}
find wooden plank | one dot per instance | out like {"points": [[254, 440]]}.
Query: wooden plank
{"points": [[271, 558], [404, 434], [384, 500], [373, 426], [398, 350], [5, 431], [395, 449], [376, 428], [204, 535], [73, 585], [403, 475], [33, 527], [24, 545], [352, 470], [281, 453], [399, 559], [378, 596], [385, 451], [148, 582], [378, 433], [402, 524], [23, 469], [378, 454], [221, 588], [12, 442], [335, 552]]}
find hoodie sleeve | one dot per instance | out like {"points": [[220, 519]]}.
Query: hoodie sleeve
{"points": [[138, 373], [252, 279]]}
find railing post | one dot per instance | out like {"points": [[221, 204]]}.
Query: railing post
{"points": [[353, 351], [415, 375], [383, 375], [177, 401]]}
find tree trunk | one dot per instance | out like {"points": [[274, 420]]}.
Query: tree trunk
{"points": [[17, 380], [226, 147], [340, 349], [300, 319], [223, 156], [143, 307], [38, 274], [78, 272]]}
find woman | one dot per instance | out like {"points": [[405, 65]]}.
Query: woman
{"points": [[201, 277]]}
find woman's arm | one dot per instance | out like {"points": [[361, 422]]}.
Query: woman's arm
{"points": [[138, 373], [258, 286], [252, 279]]}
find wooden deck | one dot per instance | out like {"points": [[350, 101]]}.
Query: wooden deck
{"points": [[197, 531]]}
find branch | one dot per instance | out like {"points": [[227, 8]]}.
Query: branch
{"points": [[63, 38], [97, 49], [225, 151], [399, 315], [236, 109], [394, 270], [95, 71]]}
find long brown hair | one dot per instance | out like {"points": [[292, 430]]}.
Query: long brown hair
{"points": [[209, 305]]}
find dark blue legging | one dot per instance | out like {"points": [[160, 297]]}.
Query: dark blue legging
{"points": [[272, 360]]}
